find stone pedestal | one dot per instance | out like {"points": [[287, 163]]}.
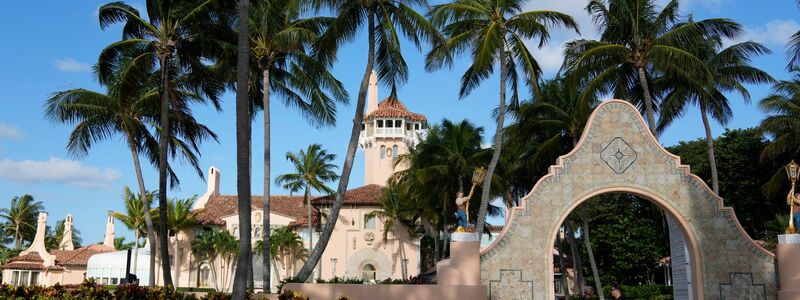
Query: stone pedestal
{"points": [[788, 256], [464, 265]]}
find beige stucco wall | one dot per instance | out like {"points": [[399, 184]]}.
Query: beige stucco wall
{"points": [[377, 170], [726, 263], [349, 246], [70, 275]]}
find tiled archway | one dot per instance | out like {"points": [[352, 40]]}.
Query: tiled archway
{"points": [[618, 154]]}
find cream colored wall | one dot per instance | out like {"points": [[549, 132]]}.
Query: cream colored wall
{"points": [[377, 170], [70, 275], [348, 239]]}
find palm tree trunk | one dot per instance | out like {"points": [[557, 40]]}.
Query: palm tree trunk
{"points": [[308, 208], [588, 243], [576, 259], [243, 161], [135, 249], [344, 179], [267, 285], [151, 233], [648, 100], [162, 171], [17, 238], [498, 145], [712, 161]]}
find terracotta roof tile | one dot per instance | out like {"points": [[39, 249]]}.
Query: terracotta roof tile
{"points": [[365, 195], [392, 108], [79, 256], [226, 205]]}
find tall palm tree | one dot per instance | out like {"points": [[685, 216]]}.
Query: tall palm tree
{"points": [[280, 41], [638, 42], [19, 219], [169, 38], [130, 108], [730, 70], [243, 274], [134, 218], [793, 51], [782, 124], [382, 19], [494, 32], [313, 169]]}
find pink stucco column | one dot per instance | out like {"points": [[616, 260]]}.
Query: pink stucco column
{"points": [[788, 256]]}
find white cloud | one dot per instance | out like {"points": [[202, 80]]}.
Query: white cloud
{"points": [[774, 34], [10, 132], [71, 65], [57, 170]]}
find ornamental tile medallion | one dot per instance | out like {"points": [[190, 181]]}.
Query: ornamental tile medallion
{"points": [[618, 155]]}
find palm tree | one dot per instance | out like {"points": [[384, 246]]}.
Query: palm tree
{"points": [[637, 39], [243, 274], [396, 215], [130, 108], [19, 219], [168, 37], [120, 244], [494, 32], [285, 245], [382, 20], [730, 69], [782, 124], [313, 169], [280, 40], [793, 53], [217, 248], [134, 218]]}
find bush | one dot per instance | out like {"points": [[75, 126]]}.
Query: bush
{"points": [[292, 295], [91, 290]]}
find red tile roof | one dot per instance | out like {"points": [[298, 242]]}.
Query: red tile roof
{"points": [[365, 195], [78, 257], [392, 108], [226, 205]]}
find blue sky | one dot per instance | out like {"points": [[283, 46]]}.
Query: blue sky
{"points": [[51, 45]]}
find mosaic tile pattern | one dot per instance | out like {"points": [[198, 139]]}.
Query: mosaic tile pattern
{"points": [[617, 133]]}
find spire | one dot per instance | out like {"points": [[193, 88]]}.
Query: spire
{"points": [[372, 93], [108, 241], [66, 239], [211, 191], [38, 242]]}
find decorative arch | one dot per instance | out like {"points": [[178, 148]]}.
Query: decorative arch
{"points": [[617, 153]]}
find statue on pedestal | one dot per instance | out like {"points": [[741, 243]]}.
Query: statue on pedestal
{"points": [[792, 199], [462, 202]]}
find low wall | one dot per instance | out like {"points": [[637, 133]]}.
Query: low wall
{"points": [[316, 291]]}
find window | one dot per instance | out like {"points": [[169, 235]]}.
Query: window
{"points": [[383, 152], [14, 278], [114, 280], [408, 127], [380, 123], [398, 123], [416, 126], [368, 272], [204, 275], [34, 278], [23, 278], [333, 267], [394, 151], [389, 124], [369, 222]]}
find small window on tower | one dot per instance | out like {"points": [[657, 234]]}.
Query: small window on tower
{"points": [[380, 123], [394, 151], [398, 123], [416, 126], [383, 152]]}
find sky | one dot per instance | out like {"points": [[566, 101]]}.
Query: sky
{"points": [[51, 46]]}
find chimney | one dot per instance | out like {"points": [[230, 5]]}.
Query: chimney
{"points": [[66, 240], [108, 241], [38, 242], [372, 93], [213, 188]]}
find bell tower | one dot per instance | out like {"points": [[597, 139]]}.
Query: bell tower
{"points": [[389, 131]]}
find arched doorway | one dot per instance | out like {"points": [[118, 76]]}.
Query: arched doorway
{"points": [[616, 153], [692, 290]]}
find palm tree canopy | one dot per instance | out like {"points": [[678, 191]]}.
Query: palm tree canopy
{"points": [[133, 217], [20, 218], [312, 170], [179, 214], [782, 123], [487, 29]]}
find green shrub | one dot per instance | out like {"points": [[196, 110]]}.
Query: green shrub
{"points": [[649, 292], [90, 290], [292, 295]]}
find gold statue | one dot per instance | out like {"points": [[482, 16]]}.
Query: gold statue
{"points": [[792, 199], [462, 202]]}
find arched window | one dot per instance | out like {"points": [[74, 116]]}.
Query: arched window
{"points": [[204, 275], [383, 152], [368, 272], [394, 151]]}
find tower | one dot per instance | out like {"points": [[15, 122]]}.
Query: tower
{"points": [[108, 240], [389, 131], [66, 239]]}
